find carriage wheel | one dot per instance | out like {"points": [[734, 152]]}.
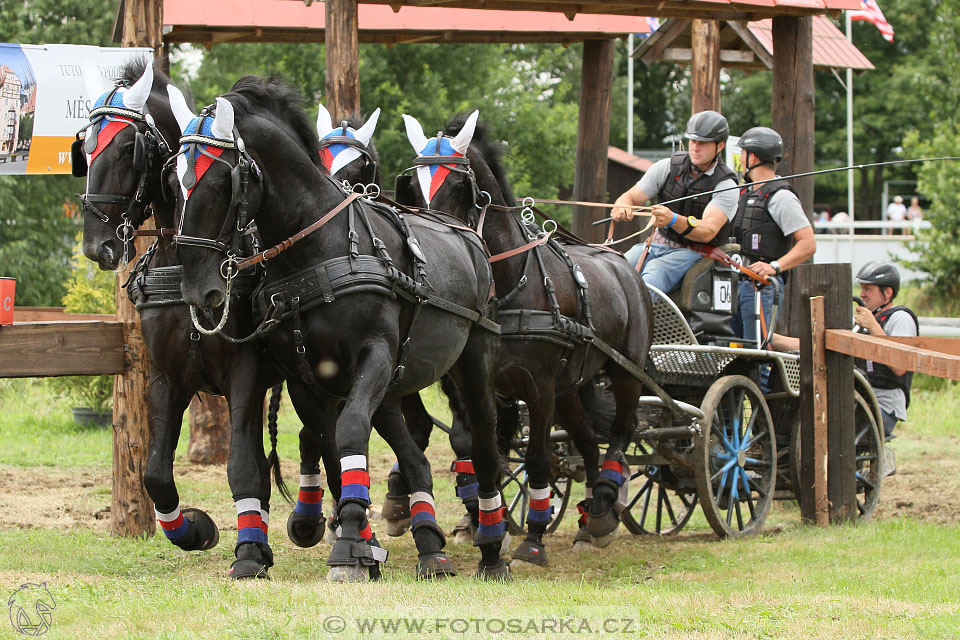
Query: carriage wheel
{"points": [[515, 485], [735, 457], [869, 451], [653, 508]]}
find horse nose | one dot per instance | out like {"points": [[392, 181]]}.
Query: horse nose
{"points": [[213, 299], [107, 257]]}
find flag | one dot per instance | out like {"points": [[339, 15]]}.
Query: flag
{"points": [[870, 11], [653, 23]]}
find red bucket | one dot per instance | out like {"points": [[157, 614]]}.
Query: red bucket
{"points": [[7, 288]]}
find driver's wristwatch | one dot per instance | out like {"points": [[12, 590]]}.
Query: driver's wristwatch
{"points": [[776, 266]]}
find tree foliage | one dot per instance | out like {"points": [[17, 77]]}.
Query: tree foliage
{"points": [[938, 249]]}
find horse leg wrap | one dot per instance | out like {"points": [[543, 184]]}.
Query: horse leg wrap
{"points": [[396, 505], [354, 479], [492, 525], [305, 526], [540, 510], [189, 529], [605, 508]]}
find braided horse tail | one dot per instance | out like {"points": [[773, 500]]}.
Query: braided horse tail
{"points": [[273, 459]]}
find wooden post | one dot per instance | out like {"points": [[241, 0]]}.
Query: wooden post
{"points": [[793, 109], [793, 101], [705, 65], [821, 504], [209, 430], [131, 509], [593, 136], [343, 58], [832, 282]]}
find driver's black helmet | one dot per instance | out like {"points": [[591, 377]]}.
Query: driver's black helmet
{"points": [[880, 273], [763, 142], [707, 126]]}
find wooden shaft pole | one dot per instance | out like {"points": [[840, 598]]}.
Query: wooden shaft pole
{"points": [[820, 391]]}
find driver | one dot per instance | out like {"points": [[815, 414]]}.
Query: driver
{"points": [[703, 219]]}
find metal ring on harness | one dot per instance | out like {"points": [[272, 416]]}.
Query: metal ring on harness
{"points": [[371, 190], [489, 199], [546, 223]]}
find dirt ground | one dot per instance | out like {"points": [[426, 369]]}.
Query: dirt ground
{"points": [[926, 487]]}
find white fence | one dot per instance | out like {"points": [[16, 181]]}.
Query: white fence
{"points": [[839, 245]]}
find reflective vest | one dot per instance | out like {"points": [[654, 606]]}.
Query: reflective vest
{"points": [[880, 375], [680, 184], [759, 236]]}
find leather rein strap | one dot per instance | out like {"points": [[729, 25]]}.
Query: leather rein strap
{"points": [[275, 250]]}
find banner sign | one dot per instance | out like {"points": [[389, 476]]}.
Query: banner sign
{"points": [[43, 102]]}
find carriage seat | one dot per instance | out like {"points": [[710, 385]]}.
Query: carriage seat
{"points": [[707, 297]]}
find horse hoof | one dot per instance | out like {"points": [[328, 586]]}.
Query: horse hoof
{"points": [[433, 566], [305, 531], [330, 537], [249, 563], [348, 573], [582, 541], [499, 572], [396, 528], [603, 524], [600, 542], [464, 530], [531, 552], [203, 533]]}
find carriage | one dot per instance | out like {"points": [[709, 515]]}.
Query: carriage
{"points": [[725, 443]]}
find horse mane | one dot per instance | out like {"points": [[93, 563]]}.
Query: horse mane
{"points": [[273, 97], [132, 69], [490, 150]]}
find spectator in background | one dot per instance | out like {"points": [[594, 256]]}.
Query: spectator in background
{"points": [[823, 216], [914, 212], [841, 216], [897, 212]]}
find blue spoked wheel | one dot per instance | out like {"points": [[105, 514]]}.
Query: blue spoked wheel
{"points": [[735, 457]]}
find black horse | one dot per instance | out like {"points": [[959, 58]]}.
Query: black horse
{"points": [[127, 145], [563, 308], [371, 308]]}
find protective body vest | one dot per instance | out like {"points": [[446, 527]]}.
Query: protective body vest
{"points": [[759, 236], [680, 184], [880, 375]]}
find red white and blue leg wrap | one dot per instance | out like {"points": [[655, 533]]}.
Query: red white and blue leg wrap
{"points": [[173, 524], [540, 508], [467, 485], [421, 509], [354, 479], [251, 521], [612, 470], [310, 498], [491, 515]]}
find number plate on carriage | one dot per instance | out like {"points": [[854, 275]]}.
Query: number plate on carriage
{"points": [[722, 294]]}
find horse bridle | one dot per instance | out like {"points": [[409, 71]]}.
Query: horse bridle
{"points": [[370, 164], [148, 146], [456, 164]]}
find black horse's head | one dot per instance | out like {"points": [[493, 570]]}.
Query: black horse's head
{"points": [[347, 151], [259, 123], [456, 170], [122, 156]]}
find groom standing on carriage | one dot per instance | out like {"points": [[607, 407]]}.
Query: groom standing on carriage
{"points": [[704, 219]]}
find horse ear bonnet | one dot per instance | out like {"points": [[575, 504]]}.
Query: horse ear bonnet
{"points": [[78, 159]]}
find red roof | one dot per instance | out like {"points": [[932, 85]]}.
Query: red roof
{"points": [[628, 159], [831, 48], [249, 15]]}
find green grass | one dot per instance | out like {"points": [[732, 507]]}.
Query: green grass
{"points": [[895, 577]]}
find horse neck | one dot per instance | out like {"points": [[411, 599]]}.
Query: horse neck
{"points": [[302, 201]]}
